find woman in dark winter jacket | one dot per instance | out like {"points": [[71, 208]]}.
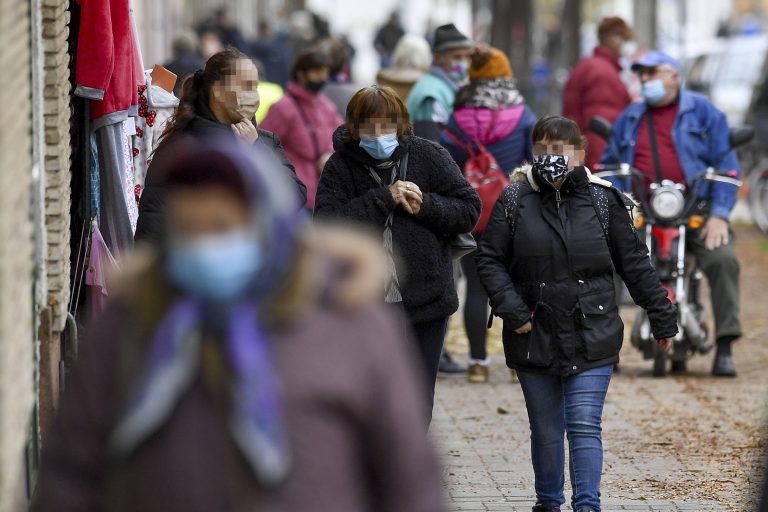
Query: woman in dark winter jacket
{"points": [[546, 261], [218, 101], [488, 111], [211, 381], [411, 191]]}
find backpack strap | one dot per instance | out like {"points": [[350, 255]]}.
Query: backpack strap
{"points": [[600, 200], [510, 198]]}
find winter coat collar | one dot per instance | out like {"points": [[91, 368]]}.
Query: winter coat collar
{"points": [[578, 176], [440, 73], [604, 53]]}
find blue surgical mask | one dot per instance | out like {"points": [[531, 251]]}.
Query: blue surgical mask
{"points": [[215, 268], [654, 91], [459, 70], [380, 147]]}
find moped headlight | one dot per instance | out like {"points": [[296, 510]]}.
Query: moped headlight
{"points": [[667, 203]]}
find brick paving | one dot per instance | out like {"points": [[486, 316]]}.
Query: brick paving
{"points": [[482, 432]]}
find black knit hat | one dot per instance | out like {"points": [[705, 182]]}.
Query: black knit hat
{"points": [[448, 37]]}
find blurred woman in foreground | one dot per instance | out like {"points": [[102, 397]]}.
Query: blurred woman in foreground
{"points": [[211, 382]]}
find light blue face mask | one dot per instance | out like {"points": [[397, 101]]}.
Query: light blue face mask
{"points": [[654, 91], [459, 70], [380, 147], [215, 268]]}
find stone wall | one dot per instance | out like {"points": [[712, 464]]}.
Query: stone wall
{"points": [[16, 251]]}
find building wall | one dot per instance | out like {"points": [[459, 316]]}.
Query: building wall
{"points": [[16, 251]]}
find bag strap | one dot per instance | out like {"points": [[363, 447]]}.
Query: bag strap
{"points": [[310, 127], [456, 139], [654, 146], [599, 196]]}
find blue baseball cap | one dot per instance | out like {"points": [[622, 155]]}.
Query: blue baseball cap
{"points": [[656, 58]]}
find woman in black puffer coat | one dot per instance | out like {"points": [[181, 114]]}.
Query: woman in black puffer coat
{"points": [[552, 284], [417, 215]]}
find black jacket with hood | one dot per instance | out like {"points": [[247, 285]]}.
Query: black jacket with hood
{"points": [[421, 242], [557, 271], [152, 204]]}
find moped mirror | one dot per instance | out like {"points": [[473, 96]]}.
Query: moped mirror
{"points": [[601, 127], [741, 135]]}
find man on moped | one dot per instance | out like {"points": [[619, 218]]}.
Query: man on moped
{"points": [[676, 134]]}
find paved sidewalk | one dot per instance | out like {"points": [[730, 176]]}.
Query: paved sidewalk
{"points": [[483, 435]]}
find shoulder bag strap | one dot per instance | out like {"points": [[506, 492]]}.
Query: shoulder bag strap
{"points": [[310, 127]]}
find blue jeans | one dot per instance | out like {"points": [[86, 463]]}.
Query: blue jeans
{"points": [[570, 405]]}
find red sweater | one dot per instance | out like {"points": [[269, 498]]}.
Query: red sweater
{"points": [[108, 68], [663, 122], [594, 88]]}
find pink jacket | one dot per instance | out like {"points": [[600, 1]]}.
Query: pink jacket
{"points": [[305, 123]]}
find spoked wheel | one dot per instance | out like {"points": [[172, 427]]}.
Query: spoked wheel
{"points": [[758, 197], [659, 362]]}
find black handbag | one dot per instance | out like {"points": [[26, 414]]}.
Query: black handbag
{"points": [[461, 244]]}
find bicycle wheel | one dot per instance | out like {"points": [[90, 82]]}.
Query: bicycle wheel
{"points": [[758, 197]]}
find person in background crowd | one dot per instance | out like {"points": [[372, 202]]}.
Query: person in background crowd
{"points": [[410, 61], [186, 59], [411, 192], [203, 386], [275, 53], [226, 26], [387, 37], [431, 100], [219, 100], [550, 278], [489, 111], [339, 88], [595, 87], [210, 43], [689, 134], [305, 119], [430, 104]]}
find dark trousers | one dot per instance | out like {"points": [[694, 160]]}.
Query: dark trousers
{"points": [[430, 337], [721, 266], [475, 310]]}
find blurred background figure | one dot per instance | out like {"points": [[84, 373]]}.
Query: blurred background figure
{"points": [[339, 88], [210, 43], [226, 27], [595, 87], [218, 101], [186, 59], [490, 113], [387, 37], [269, 92], [203, 384], [410, 61], [274, 52], [431, 100], [305, 119], [412, 193]]}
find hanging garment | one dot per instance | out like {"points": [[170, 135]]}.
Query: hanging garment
{"points": [[100, 264], [108, 64], [156, 107], [118, 207]]}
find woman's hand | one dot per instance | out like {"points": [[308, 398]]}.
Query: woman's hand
{"points": [[322, 161], [246, 131], [525, 328], [407, 194]]}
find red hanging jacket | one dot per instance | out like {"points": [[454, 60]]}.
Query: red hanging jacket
{"points": [[107, 70]]}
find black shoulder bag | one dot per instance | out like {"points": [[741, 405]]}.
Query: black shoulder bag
{"points": [[461, 244]]}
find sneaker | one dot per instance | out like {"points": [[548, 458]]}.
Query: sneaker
{"points": [[450, 367], [540, 507], [478, 373]]}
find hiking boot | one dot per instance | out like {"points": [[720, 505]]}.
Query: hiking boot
{"points": [[724, 366], [450, 367], [478, 373]]}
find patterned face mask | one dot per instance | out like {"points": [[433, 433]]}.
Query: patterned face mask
{"points": [[552, 169]]}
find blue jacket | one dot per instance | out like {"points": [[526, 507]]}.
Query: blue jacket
{"points": [[701, 137]]}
